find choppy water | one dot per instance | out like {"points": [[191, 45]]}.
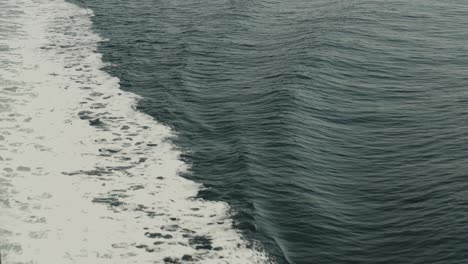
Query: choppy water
{"points": [[335, 130]]}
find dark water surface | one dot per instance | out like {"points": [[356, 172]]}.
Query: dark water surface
{"points": [[337, 130]]}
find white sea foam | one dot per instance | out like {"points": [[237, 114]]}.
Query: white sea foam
{"points": [[84, 177]]}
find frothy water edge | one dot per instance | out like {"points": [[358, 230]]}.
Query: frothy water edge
{"points": [[85, 178]]}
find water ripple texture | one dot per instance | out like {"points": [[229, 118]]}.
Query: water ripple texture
{"points": [[337, 131]]}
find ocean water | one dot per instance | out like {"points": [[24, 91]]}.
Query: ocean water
{"points": [[234, 131]]}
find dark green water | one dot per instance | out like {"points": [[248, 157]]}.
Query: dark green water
{"points": [[337, 130]]}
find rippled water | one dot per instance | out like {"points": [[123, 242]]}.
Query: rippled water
{"points": [[336, 130]]}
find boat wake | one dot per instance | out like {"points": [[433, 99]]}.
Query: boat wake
{"points": [[85, 178]]}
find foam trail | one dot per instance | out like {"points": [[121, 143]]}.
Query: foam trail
{"points": [[84, 177]]}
